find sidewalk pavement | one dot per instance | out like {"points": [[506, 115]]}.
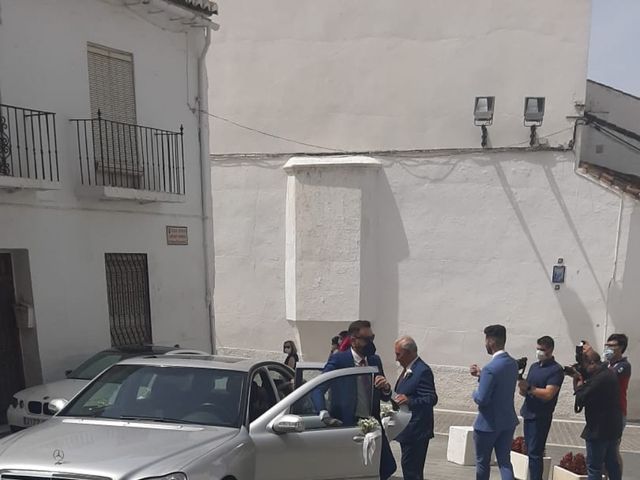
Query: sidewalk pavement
{"points": [[437, 467], [564, 437], [563, 432]]}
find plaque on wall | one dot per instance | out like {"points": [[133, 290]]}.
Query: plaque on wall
{"points": [[177, 235]]}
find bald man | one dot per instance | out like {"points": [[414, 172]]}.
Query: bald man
{"points": [[416, 389]]}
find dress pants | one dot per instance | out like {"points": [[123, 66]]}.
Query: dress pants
{"points": [[414, 454], [485, 443]]}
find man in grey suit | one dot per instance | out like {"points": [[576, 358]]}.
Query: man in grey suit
{"points": [[496, 420]]}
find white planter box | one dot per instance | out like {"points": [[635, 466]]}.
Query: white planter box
{"points": [[560, 473], [460, 448], [520, 464]]}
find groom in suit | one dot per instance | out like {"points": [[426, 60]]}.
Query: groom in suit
{"points": [[416, 389], [496, 420], [345, 409]]}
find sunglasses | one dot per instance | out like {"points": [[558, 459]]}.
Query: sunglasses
{"points": [[367, 339]]}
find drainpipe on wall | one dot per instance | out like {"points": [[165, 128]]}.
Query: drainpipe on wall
{"points": [[205, 186]]}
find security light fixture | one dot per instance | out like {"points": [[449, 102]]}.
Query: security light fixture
{"points": [[483, 115], [483, 110], [533, 116]]}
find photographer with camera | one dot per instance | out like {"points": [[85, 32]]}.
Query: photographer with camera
{"points": [[540, 390], [596, 389], [613, 350]]}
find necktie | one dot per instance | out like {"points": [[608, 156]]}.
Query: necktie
{"points": [[401, 378], [362, 402]]}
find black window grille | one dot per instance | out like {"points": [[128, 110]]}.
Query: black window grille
{"points": [[128, 297]]}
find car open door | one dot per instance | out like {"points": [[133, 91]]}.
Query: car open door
{"points": [[292, 442]]}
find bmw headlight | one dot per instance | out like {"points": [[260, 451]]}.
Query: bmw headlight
{"points": [[14, 402], [171, 476]]}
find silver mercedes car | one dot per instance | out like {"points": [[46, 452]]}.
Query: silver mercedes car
{"points": [[197, 418]]}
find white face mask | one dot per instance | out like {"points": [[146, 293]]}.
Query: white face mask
{"points": [[540, 355], [608, 353]]}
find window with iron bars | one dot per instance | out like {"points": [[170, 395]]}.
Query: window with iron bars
{"points": [[128, 298]]}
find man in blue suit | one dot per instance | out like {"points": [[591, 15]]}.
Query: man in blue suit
{"points": [[416, 389], [344, 403], [496, 420]]}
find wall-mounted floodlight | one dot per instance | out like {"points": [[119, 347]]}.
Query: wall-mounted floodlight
{"points": [[483, 115], [533, 115]]}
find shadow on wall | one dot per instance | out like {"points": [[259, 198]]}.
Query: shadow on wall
{"points": [[624, 308], [383, 246], [579, 322]]}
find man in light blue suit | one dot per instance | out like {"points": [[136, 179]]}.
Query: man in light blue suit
{"points": [[496, 420]]}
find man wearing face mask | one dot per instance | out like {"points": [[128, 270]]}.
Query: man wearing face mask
{"points": [[362, 353], [599, 394], [540, 390]]}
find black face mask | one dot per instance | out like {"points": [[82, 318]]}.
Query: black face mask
{"points": [[369, 349]]}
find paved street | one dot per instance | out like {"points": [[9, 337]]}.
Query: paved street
{"points": [[564, 437]]}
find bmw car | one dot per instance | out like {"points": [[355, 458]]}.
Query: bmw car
{"points": [[175, 417], [30, 406]]}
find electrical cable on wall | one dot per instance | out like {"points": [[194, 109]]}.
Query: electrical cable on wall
{"points": [[291, 140], [272, 135]]}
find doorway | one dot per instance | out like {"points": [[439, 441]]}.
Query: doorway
{"points": [[11, 371]]}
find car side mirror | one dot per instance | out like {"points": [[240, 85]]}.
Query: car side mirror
{"points": [[57, 404], [288, 424]]}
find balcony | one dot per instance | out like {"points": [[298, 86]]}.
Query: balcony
{"points": [[28, 149], [123, 161]]}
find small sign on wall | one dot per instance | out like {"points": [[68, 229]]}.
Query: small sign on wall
{"points": [[177, 235]]}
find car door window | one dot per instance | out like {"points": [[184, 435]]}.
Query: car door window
{"points": [[261, 395], [282, 382], [346, 399]]}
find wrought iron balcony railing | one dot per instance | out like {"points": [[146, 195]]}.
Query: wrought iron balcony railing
{"points": [[125, 155], [28, 144]]}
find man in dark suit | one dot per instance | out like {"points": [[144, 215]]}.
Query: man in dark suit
{"points": [[416, 389], [496, 420], [345, 406]]}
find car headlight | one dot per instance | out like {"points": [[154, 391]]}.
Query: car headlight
{"points": [[171, 476], [14, 402]]}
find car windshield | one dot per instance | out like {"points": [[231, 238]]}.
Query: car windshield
{"points": [[96, 364], [203, 396]]}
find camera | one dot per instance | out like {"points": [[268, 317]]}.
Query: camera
{"points": [[522, 365], [576, 367]]}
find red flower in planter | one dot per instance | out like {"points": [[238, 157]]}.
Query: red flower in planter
{"points": [[574, 463], [518, 445]]}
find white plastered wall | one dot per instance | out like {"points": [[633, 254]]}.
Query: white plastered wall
{"points": [[454, 242], [43, 65], [369, 75]]}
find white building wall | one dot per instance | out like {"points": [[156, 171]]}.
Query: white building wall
{"points": [[454, 242], [620, 109], [43, 65], [369, 75], [451, 238]]}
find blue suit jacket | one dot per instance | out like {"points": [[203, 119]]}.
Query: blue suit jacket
{"points": [[420, 388], [494, 395], [344, 397]]}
